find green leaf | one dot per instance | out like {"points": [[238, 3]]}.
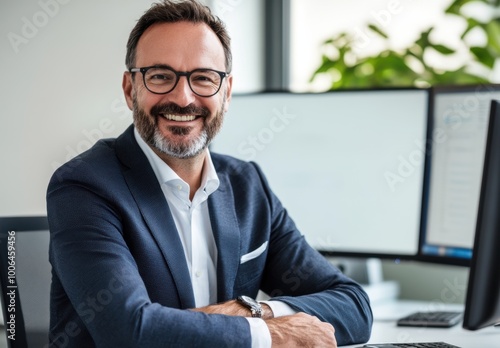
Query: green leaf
{"points": [[459, 76], [472, 24], [493, 32], [456, 6], [484, 56], [378, 31], [416, 51], [443, 49], [423, 41], [326, 65]]}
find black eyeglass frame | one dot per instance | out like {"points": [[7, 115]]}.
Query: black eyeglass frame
{"points": [[178, 75]]}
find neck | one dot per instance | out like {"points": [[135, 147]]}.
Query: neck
{"points": [[189, 169]]}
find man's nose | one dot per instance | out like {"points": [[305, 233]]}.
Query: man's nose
{"points": [[182, 94]]}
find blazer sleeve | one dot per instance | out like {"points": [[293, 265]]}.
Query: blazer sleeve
{"points": [[107, 303], [301, 277]]}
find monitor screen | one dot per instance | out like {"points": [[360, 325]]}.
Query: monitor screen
{"points": [[482, 306], [458, 122], [347, 165]]}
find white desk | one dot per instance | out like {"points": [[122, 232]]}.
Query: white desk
{"points": [[385, 330]]}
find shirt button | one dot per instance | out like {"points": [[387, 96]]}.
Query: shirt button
{"points": [[179, 187], [198, 274]]}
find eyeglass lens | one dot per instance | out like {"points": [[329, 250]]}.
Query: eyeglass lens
{"points": [[202, 82]]}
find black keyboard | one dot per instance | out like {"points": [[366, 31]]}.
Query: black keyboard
{"points": [[411, 345], [431, 319]]}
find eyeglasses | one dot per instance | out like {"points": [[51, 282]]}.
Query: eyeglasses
{"points": [[162, 80]]}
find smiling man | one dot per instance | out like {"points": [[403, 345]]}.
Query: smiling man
{"points": [[157, 242]]}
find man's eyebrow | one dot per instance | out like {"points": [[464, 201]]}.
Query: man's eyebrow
{"points": [[163, 66]]}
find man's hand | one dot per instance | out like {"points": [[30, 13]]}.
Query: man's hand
{"points": [[301, 330], [297, 330]]}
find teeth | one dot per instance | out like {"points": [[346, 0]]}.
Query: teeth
{"points": [[179, 118]]}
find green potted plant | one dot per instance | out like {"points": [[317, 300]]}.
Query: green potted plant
{"points": [[410, 66]]}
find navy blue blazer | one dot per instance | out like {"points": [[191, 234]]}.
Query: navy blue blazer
{"points": [[120, 278]]}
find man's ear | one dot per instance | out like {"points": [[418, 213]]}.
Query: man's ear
{"points": [[228, 92], [128, 89]]}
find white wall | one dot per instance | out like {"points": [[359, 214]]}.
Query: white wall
{"points": [[61, 65], [245, 22]]}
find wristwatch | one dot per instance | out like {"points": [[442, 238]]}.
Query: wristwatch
{"points": [[251, 304]]}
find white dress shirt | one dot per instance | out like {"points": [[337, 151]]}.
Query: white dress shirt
{"points": [[192, 221]]}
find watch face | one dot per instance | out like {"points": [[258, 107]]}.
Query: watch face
{"points": [[252, 304], [248, 301]]}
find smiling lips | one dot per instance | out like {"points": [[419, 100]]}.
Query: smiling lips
{"points": [[179, 118]]}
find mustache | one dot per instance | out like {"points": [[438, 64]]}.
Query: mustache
{"points": [[172, 108]]}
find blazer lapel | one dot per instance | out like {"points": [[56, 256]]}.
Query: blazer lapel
{"points": [[144, 186], [227, 238]]}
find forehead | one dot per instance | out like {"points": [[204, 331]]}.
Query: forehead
{"points": [[181, 45]]}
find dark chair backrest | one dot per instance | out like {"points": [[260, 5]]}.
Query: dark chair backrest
{"points": [[25, 276]]}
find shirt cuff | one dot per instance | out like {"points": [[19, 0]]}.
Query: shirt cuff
{"points": [[261, 337], [280, 308]]}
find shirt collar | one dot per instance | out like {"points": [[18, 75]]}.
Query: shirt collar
{"points": [[209, 180]]}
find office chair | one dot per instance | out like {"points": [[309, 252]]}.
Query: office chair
{"points": [[25, 277]]}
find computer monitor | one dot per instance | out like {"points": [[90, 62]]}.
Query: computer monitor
{"points": [[25, 280], [482, 306], [347, 165], [458, 122]]}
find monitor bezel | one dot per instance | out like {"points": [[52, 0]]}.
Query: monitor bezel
{"points": [[482, 304], [434, 92]]}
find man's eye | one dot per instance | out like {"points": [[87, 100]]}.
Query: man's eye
{"points": [[159, 77], [202, 78]]}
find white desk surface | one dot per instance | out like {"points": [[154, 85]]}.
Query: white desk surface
{"points": [[385, 330]]}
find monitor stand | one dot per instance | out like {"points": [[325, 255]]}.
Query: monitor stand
{"points": [[368, 273]]}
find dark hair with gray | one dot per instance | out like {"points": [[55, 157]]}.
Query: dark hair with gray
{"points": [[169, 11]]}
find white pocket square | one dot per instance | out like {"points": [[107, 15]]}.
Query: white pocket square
{"points": [[253, 254]]}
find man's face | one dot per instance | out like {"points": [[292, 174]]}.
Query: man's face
{"points": [[179, 124]]}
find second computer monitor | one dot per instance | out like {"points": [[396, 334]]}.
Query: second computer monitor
{"points": [[456, 144]]}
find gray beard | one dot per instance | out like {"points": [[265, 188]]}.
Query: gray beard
{"points": [[182, 151], [147, 128]]}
